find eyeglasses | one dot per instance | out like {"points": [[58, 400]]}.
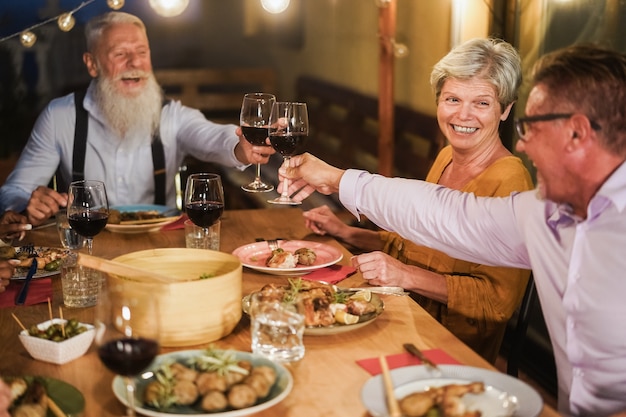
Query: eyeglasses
{"points": [[522, 123]]}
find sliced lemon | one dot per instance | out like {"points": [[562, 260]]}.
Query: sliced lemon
{"points": [[341, 316], [364, 295]]}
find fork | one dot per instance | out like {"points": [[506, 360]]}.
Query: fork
{"points": [[273, 244]]}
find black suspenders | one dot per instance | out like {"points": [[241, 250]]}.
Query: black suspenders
{"points": [[80, 147]]}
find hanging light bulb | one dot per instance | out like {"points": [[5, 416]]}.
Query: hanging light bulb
{"points": [[169, 8], [115, 4], [275, 6], [28, 38], [66, 22], [400, 50]]}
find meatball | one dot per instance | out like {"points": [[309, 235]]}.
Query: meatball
{"points": [[208, 381], [306, 256], [214, 401], [241, 396], [185, 391]]}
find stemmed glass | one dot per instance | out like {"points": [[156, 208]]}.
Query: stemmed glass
{"points": [[127, 327], [87, 209], [204, 200], [254, 122], [289, 130]]}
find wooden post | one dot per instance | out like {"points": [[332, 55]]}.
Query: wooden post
{"points": [[387, 30]]}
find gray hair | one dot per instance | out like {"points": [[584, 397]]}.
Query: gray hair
{"points": [[489, 59], [97, 25]]}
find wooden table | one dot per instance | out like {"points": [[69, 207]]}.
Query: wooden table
{"points": [[327, 382]]}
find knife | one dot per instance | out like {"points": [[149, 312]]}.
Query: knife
{"points": [[20, 298], [413, 350]]}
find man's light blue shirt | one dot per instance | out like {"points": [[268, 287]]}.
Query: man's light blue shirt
{"points": [[579, 265], [126, 172]]}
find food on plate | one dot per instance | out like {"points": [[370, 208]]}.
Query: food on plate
{"points": [[322, 305], [443, 401], [48, 259], [58, 332], [27, 399], [306, 256], [117, 217], [280, 258], [214, 381]]}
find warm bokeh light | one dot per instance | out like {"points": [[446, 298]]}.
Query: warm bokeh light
{"points": [[66, 22], [115, 4], [169, 8], [275, 6], [28, 38]]}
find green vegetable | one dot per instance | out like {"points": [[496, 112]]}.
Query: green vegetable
{"points": [[54, 332], [206, 276], [53, 266]]}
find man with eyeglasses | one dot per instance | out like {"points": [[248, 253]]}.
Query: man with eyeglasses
{"points": [[571, 231]]}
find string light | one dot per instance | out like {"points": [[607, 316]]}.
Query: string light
{"points": [[275, 6], [169, 8], [65, 21]]}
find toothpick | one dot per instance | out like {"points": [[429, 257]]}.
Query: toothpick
{"points": [[50, 309], [62, 322], [18, 321], [56, 410]]}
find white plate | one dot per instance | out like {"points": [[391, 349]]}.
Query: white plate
{"points": [[501, 389], [254, 256], [364, 320], [281, 388], [140, 228], [21, 272]]}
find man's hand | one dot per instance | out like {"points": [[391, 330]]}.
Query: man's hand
{"points": [[248, 153], [381, 269], [307, 174], [13, 226], [322, 220], [44, 203]]}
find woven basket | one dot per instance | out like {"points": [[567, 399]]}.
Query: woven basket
{"points": [[193, 311]]}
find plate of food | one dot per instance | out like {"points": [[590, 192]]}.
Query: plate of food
{"points": [[421, 390], [44, 394], [226, 383], [140, 218], [292, 258], [327, 309], [48, 260]]}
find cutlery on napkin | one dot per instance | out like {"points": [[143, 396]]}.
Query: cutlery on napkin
{"points": [[20, 298], [399, 360], [413, 350]]}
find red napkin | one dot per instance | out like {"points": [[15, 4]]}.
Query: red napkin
{"points": [[39, 292], [438, 356], [178, 224], [331, 274]]}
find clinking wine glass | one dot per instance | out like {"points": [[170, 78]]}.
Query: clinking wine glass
{"points": [[204, 200], [87, 209], [289, 130], [254, 122], [127, 324]]}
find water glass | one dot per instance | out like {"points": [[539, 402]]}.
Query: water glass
{"points": [[68, 236], [81, 285], [277, 328], [200, 238]]}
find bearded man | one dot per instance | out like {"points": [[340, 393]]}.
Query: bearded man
{"points": [[121, 131]]}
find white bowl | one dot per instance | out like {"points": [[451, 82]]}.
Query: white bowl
{"points": [[57, 352]]}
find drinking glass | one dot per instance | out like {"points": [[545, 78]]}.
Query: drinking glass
{"points": [[289, 130], [87, 209], [127, 327], [204, 200], [254, 122]]}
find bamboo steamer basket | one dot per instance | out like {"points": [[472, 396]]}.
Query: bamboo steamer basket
{"points": [[193, 311]]}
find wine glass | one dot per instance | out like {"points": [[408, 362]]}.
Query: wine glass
{"points": [[127, 324], [289, 130], [87, 209], [204, 201], [254, 122]]}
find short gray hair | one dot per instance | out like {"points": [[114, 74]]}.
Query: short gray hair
{"points": [[97, 25], [489, 59]]}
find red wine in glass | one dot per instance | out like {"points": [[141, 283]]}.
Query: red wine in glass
{"points": [[254, 121], [128, 356], [289, 130], [88, 223], [204, 214]]}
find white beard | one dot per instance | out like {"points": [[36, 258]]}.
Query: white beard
{"points": [[133, 118]]}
